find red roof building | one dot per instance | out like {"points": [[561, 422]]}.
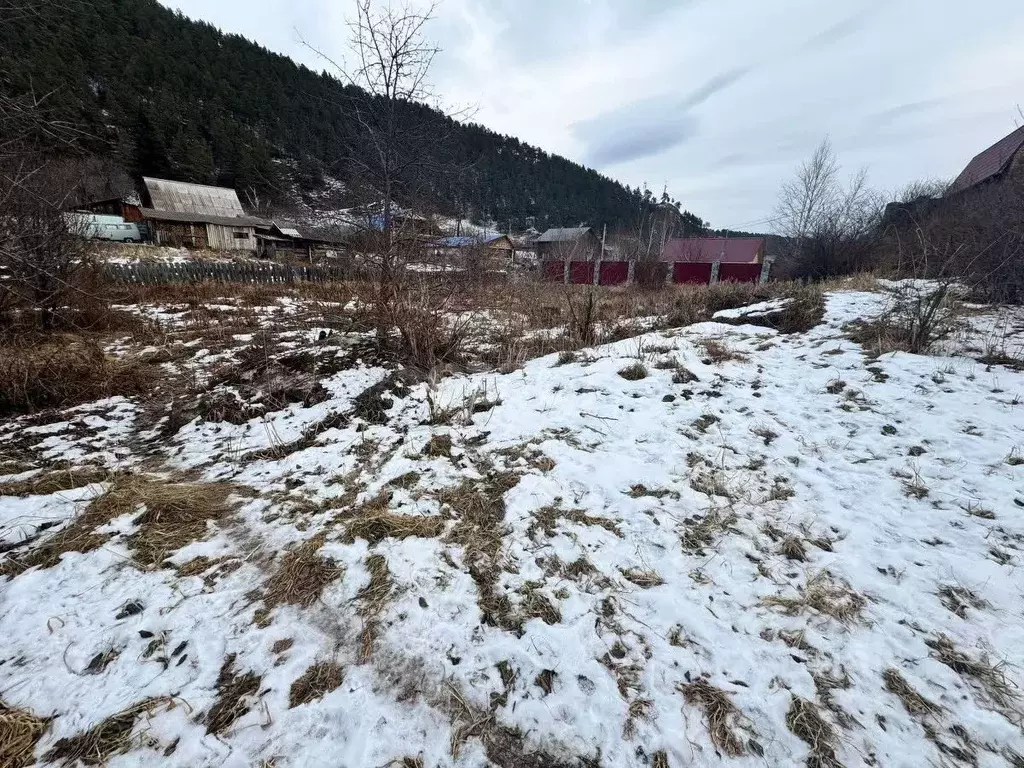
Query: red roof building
{"points": [[991, 164], [727, 250]]}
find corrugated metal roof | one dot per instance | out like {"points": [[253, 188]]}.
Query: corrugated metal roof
{"points": [[730, 250], [989, 163], [202, 218], [563, 235], [180, 197]]}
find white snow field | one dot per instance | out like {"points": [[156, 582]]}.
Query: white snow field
{"points": [[766, 550]]}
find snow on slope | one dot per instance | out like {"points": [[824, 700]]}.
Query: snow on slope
{"points": [[796, 527]]}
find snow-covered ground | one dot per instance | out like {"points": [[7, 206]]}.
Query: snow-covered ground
{"points": [[704, 545]]}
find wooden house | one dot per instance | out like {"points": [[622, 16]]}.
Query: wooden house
{"points": [[569, 244], [198, 216]]}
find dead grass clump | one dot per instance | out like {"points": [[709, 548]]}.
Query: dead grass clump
{"points": [[174, 514], [705, 422], [710, 484], [301, 576], [717, 352], [720, 715], [315, 683], [536, 605], [100, 743], [480, 529], [958, 599], [55, 482], [659, 759], [64, 371], [373, 599], [793, 548], [234, 697], [375, 523], [645, 579], [824, 594], [439, 446], [702, 532], [20, 729], [806, 723], [546, 518], [634, 372], [683, 376], [913, 702], [981, 673]]}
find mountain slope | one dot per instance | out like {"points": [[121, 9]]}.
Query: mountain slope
{"points": [[178, 98]]}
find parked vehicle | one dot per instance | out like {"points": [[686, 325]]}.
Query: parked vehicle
{"points": [[100, 227]]}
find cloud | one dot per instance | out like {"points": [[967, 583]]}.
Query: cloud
{"points": [[840, 30]]}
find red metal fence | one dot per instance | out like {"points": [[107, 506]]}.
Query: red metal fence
{"points": [[691, 272], [650, 273], [581, 272], [614, 272], [739, 273], [554, 270]]}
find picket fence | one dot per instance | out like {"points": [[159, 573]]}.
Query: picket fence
{"points": [[222, 272]]}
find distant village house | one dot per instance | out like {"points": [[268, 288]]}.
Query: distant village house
{"points": [[569, 244], [198, 216]]}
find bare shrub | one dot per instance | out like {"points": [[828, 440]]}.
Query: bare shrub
{"points": [[920, 316]]}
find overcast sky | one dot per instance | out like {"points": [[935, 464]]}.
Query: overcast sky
{"points": [[719, 99]]}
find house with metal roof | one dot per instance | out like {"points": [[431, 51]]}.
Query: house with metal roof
{"points": [[198, 216], [1003, 158], [569, 243], [724, 250]]}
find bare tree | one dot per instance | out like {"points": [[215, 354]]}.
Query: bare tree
{"points": [[40, 248], [397, 160], [828, 226]]}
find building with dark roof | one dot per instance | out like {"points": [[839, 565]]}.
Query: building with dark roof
{"points": [[1004, 157], [198, 216], [573, 244], [725, 250]]}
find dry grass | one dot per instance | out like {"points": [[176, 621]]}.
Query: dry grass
{"points": [[57, 481], [958, 599], [634, 372], [375, 523], [793, 548], [301, 576], [20, 729], [702, 532], [720, 715], [546, 519], [913, 702], [100, 743], [717, 352], [981, 673], [806, 723], [439, 446], [479, 510], [373, 600], [63, 371], [643, 578], [174, 514], [234, 697], [825, 595], [315, 683]]}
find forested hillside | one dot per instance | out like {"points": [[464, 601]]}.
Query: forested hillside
{"points": [[176, 98]]}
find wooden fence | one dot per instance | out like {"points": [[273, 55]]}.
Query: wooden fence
{"points": [[221, 272]]}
